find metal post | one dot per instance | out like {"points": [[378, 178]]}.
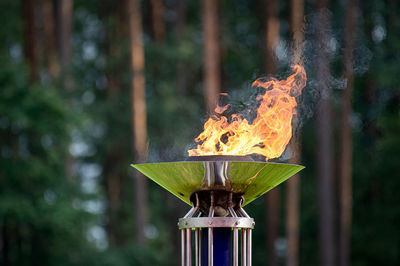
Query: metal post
{"points": [[183, 246], [244, 249], [188, 247], [210, 247], [248, 246], [235, 247], [210, 232], [197, 247]]}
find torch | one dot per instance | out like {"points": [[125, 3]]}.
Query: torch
{"points": [[217, 188], [218, 179]]}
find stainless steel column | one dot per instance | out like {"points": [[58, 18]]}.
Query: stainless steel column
{"points": [[188, 247], [235, 247], [197, 247], [183, 246], [244, 249], [210, 247], [248, 246]]}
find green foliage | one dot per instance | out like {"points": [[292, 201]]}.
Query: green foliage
{"points": [[40, 215]]}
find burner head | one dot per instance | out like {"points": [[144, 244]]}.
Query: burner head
{"points": [[230, 158]]}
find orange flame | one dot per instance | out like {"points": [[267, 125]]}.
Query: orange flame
{"points": [[270, 131], [221, 109]]}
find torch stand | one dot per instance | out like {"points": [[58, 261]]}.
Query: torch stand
{"points": [[215, 219], [217, 187]]}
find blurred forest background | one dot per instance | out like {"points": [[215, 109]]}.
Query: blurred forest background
{"points": [[88, 87]]}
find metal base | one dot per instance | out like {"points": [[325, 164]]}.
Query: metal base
{"points": [[216, 229]]}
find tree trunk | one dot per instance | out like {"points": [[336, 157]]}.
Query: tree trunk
{"points": [[157, 22], [271, 203], [49, 28], [346, 143], [293, 184], [180, 21], [324, 139], [114, 15], [272, 34], [64, 15], [211, 65], [113, 194], [292, 208], [180, 27], [138, 114], [297, 29], [272, 197], [176, 205], [30, 38]]}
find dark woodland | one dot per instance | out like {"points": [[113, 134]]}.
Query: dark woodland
{"points": [[89, 87]]}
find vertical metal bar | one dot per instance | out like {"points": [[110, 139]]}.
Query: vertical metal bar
{"points": [[183, 246], [210, 232], [210, 247], [235, 247], [248, 247], [244, 244], [197, 246], [188, 247]]}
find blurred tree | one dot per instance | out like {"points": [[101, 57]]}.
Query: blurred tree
{"points": [[272, 201], [50, 45], [324, 141], [211, 57], [157, 20], [64, 14], [346, 136], [30, 38], [42, 212], [116, 30], [180, 27], [293, 190], [139, 116], [271, 35]]}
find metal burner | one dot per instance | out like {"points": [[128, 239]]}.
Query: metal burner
{"points": [[252, 179], [217, 187]]}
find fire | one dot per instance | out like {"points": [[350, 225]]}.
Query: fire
{"points": [[270, 131]]}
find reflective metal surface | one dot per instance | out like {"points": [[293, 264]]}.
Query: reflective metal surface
{"points": [[197, 247], [249, 247], [236, 247], [244, 248], [189, 246], [205, 222]]}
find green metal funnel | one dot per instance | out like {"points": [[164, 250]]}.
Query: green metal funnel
{"points": [[252, 179]]}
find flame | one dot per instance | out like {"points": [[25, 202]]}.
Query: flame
{"points": [[270, 131], [221, 109]]}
